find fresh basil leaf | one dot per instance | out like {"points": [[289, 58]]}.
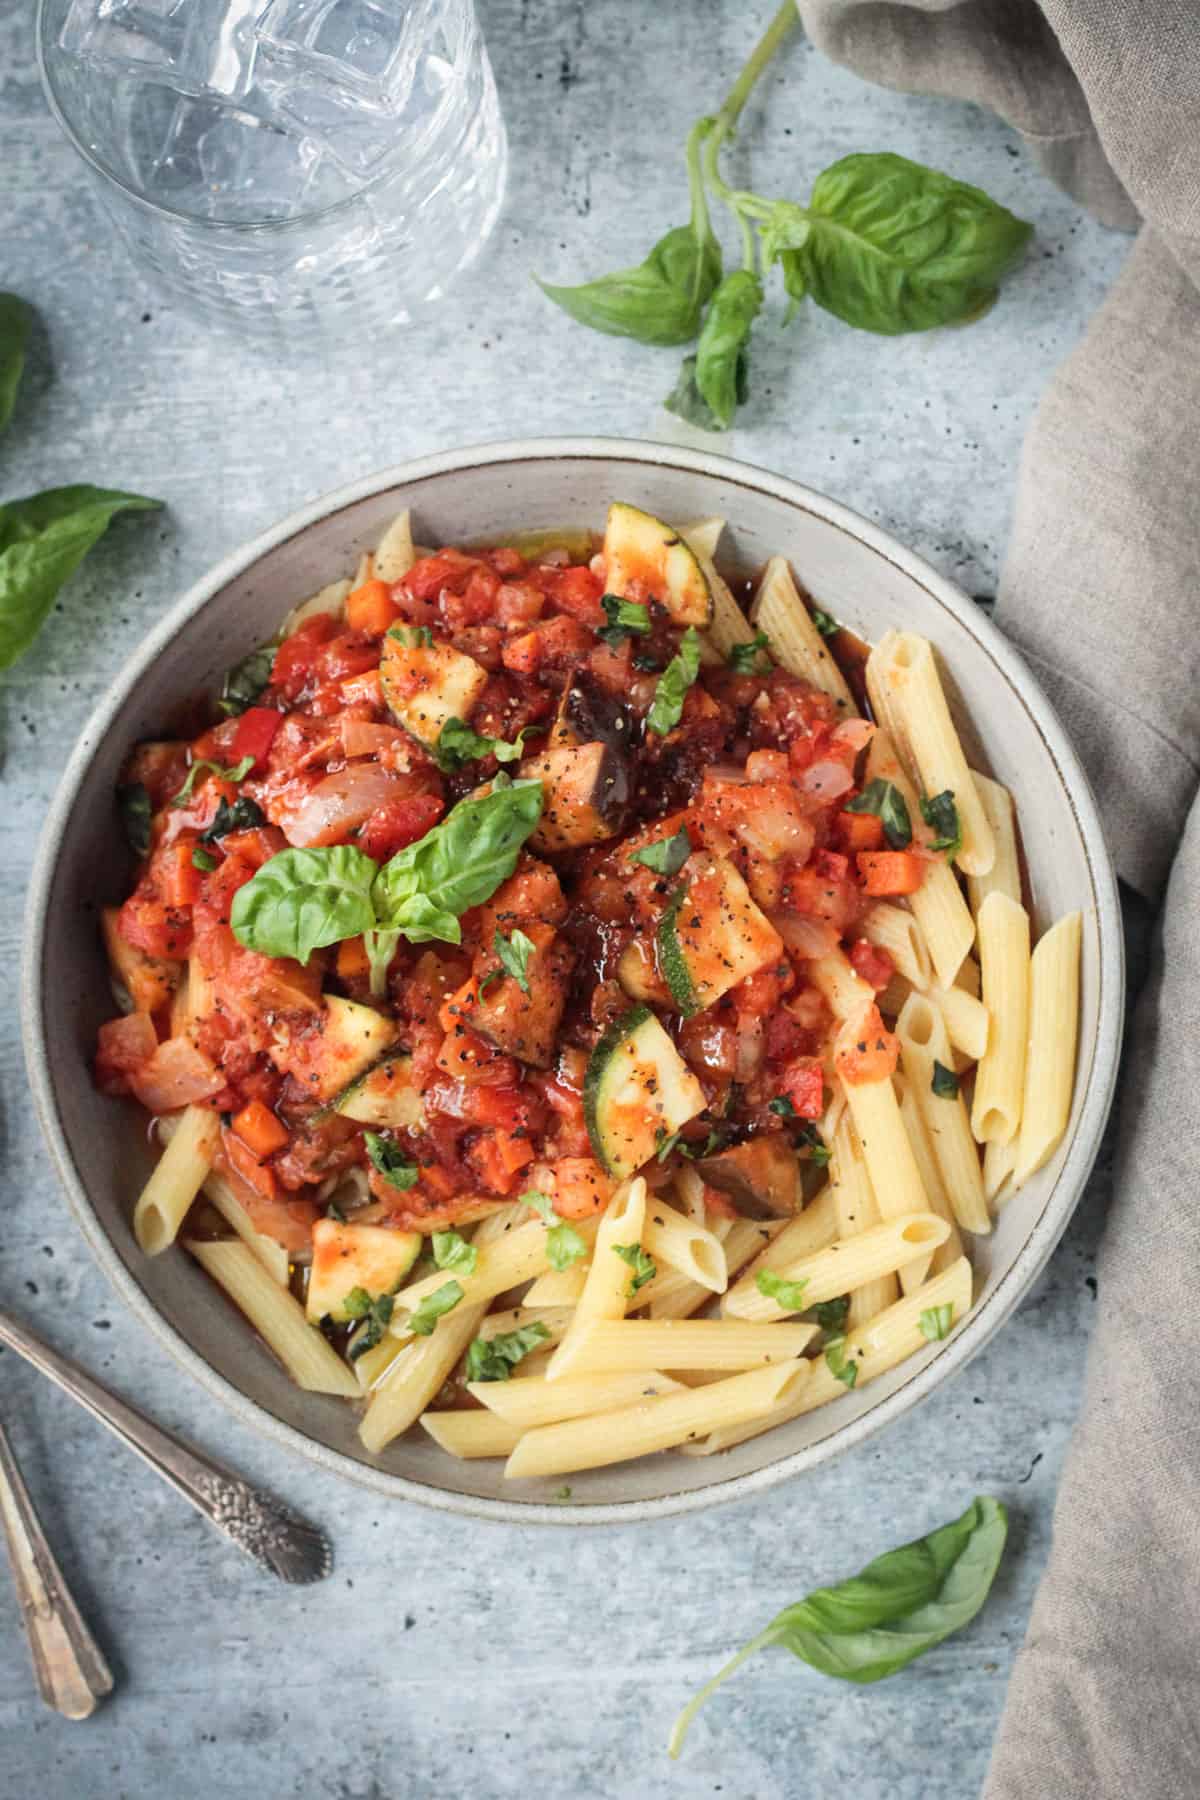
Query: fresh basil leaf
{"points": [[451, 1250], [394, 1164], [894, 246], [514, 953], [811, 1139], [721, 351], [380, 947], [238, 772], [944, 1082], [43, 540], [244, 815], [626, 618], [787, 1294], [136, 815], [376, 1311], [899, 1606], [941, 815], [493, 1359], [427, 1313], [647, 664], [831, 1314], [15, 320], [564, 1246], [458, 745], [884, 799], [413, 637], [827, 626], [838, 1363], [203, 860], [935, 1322], [666, 856], [640, 1261], [301, 899], [743, 658], [687, 402], [664, 1143], [246, 680], [666, 709], [425, 888], [782, 1107], [658, 302]]}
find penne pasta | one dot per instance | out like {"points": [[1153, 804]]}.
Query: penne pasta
{"points": [[1004, 960], [796, 644], [728, 1343], [924, 1042], [471, 1434], [177, 1178], [277, 1317], [999, 1162], [1004, 876], [880, 1250], [968, 1022], [894, 929], [558, 1287], [891, 1165], [553, 1320], [513, 1257], [1053, 1032], [606, 1293], [931, 1176], [394, 555], [857, 1208], [812, 1230], [690, 1249], [678, 1297], [938, 906], [273, 1257], [844, 991], [729, 624], [526, 1403]]}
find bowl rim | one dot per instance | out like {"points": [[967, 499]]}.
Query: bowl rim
{"points": [[1059, 1206]]}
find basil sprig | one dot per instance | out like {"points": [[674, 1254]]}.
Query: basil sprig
{"points": [[494, 1359], [666, 709], [899, 1606], [787, 1294], [888, 804], [458, 745], [301, 900]]}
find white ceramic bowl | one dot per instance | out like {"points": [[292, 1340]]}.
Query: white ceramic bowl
{"points": [[857, 572]]}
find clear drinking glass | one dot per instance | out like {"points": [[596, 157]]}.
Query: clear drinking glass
{"points": [[285, 164]]}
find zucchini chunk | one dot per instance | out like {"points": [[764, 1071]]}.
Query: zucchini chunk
{"points": [[427, 684], [341, 1044], [639, 547], [636, 1092], [522, 1024], [587, 790], [588, 713], [345, 1257], [385, 1095], [761, 1177], [712, 935]]}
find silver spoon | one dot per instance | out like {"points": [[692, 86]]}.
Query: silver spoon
{"points": [[72, 1675], [264, 1528]]}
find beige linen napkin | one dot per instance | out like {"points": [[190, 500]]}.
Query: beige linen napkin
{"points": [[1101, 590]]}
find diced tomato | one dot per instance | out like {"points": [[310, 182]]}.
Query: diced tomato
{"points": [[446, 569], [830, 866], [859, 831], [504, 1108], [475, 604], [557, 644], [178, 1074], [581, 1187], [873, 964], [296, 657], [177, 875], [255, 734], [577, 591], [399, 822], [466, 1057], [506, 561], [149, 924], [122, 1045], [818, 896], [258, 1128], [519, 603], [499, 1158], [349, 654], [457, 1007], [872, 1054], [370, 608], [784, 1037], [760, 994], [890, 871], [803, 1082]]}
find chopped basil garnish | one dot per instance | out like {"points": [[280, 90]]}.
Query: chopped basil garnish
{"points": [[514, 953], [666, 710], [377, 1312], [643, 1265], [824, 624], [246, 680], [941, 815], [782, 1107], [413, 637], [203, 860], [452, 1251], [945, 1081], [667, 855], [888, 804], [626, 618], [433, 1306], [244, 815], [238, 772], [564, 1245], [743, 657], [493, 1359], [394, 1164], [845, 1368], [787, 1294], [831, 1314], [936, 1321]]}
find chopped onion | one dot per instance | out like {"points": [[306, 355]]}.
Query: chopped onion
{"points": [[361, 738], [827, 781], [855, 732], [329, 812], [176, 1075], [804, 936]]}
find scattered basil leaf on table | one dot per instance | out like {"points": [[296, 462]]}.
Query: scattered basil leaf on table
{"points": [[43, 540], [788, 1294], [238, 772], [458, 745], [899, 1606], [721, 365], [743, 658], [514, 953], [15, 320], [660, 301], [640, 1261], [246, 680], [666, 856], [944, 1081], [666, 709], [935, 1322], [452, 1251], [493, 1359], [433, 1307], [941, 815], [136, 815], [888, 804], [564, 1245], [393, 1163]]}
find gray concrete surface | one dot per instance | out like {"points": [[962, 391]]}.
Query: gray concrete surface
{"points": [[444, 1658]]}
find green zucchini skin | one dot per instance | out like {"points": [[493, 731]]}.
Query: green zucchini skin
{"points": [[598, 1064], [671, 960]]}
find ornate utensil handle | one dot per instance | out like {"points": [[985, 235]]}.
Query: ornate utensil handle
{"points": [[261, 1526], [72, 1674]]}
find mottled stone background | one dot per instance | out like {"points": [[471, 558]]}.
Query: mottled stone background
{"points": [[444, 1658]]}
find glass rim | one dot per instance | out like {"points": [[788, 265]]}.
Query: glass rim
{"points": [[204, 220]]}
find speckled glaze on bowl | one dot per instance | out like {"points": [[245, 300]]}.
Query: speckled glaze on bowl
{"points": [[857, 572]]}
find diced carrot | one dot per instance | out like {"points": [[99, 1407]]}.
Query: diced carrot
{"points": [[250, 1167], [258, 1127], [370, 608], [890, 871], [180, 883], [859, 831], [457, 1006], [352, 959], [581, 1187], [498, 1157], [514, 1152]]}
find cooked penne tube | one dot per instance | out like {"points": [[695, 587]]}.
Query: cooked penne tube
{"points": [[395, 555], [654, 1424], [687, 1344], [999, 1161], [1053, 1031], [923, 1042], [1004, 960], [471, 1434], [812, 1230], [877, 1346], [1004, 876], [968, 977], [272, 1256], [967, 1020], [844, 991], [277, 1317], [553, 1319], [796, 644], [330, 599], [371, 1365], [506, 1261], [931, 1176], [526, 1403], [894, 929], [679, 1243], [937, 905], [558, 1287], [880, 1250], [606, 1293], [702, 536], [177, 1178], [729, 624], [677, 1298], [857, 1208], [895, 1175]]}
